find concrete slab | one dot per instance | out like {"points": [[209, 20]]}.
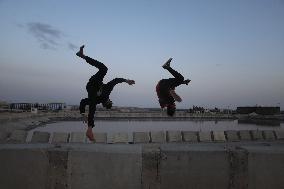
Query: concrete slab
{"points": [[268, 135], [40, 137], [100, 137], [266, 167], [245, 135], [18, 136], [205, 136], [173, 136], [3, 136], [189, 136], [105, 167], [219, 136], [117, 138], [184, 166], [141, 137], [279, 135], [23, 168], [59, 137], [256, 135], [158, 137], [77, 137], [232, 136]]}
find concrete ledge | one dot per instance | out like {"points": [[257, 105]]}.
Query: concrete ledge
{"points": [[173, 136], [60, 137], [158, 137], [40, 137], [256, 135], [245, 135], [189, 136], [205, 136], [268, 135], [100, 137], [141, 137], [117, 138], [232, 136], [279, 135], [77, 137], [219, 136], [170, 165], [18, 136]]}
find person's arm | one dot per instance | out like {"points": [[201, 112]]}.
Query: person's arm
{"points": [[175, 96], [112, 83]]}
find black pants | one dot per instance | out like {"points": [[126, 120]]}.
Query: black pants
{"points": [[176, 74], [94, 84]]}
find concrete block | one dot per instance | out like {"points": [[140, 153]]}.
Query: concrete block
{"points": [[268, 135], [60, 137], [158, 137], [205, 136], [279, 135], [219, 136], [150, 166], [100, 137], [183, 166], [232, 136], [141, 137], [117, 138], [245, 135], [18, 136], [105, 167], [265, 167], [40, 137], [173, 136], [77, 137], [189, 136], [3, 136], [23, 168], [256, 135]]}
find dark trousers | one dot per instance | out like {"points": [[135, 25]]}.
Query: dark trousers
{"points": [[176, 74], [92, 87]]}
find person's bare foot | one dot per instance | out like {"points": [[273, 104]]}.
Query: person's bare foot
{"points": [[168, 63], [90, 134], [80, 53], [187, 81]]}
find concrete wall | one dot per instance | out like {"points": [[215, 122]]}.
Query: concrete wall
{"points": [[171, 165]]}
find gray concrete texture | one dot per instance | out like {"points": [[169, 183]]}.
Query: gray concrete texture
{"points": [[173, 136], [189, 136], [219, 136], [172, 165], [59, 137], [205, 136], [40, 137], [141, 137], [20, 136]]}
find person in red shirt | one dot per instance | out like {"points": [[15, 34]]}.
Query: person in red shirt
{"points": [[98, 92], [166, 89]]}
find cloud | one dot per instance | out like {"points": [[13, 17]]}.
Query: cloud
{"points": [[48, 36], [71, 46]]}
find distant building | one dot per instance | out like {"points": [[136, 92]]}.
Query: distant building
{"points": [[259, 110], [29, 106]]}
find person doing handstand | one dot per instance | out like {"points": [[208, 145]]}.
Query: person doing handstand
{"points": [[98, 92], [166, 89]]}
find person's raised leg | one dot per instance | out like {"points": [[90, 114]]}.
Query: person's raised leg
{"points": [[176, 74], [91, 61]]}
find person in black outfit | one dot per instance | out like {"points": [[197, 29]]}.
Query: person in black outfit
{"points": [[166, 89], [98, 92]]}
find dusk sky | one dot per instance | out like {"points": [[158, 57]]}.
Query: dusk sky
{"points": [[232, 50]]}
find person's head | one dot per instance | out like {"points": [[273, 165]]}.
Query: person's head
{"points": [[107, 104], [171, 109]]}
